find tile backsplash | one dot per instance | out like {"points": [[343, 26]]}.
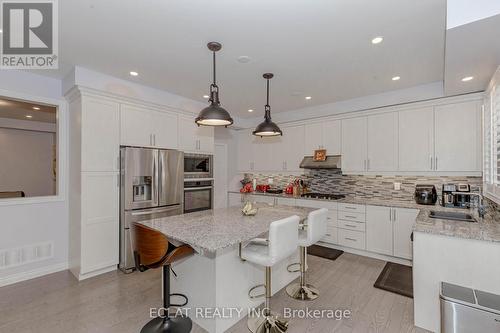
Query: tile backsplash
{"points": [[364, 186]]}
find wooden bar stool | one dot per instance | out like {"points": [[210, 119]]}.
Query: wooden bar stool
{"points": [[153, 250]]}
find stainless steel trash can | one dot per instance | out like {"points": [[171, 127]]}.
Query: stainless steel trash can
{"points": [[465, 310]]}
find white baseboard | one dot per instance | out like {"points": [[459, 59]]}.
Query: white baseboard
{"points": [[369, 254], [23, 276], [100, 271]]}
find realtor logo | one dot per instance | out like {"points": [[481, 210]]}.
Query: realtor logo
{"points": [[29, 37]]}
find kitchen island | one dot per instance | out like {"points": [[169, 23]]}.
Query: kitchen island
{"points": [[215, 279]]}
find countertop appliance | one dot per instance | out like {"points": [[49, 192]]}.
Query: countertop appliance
{"points": [[198, 166], [151, 186], [425, 194], [327, 196], [465, 310], [452, 197], [198, 195]]}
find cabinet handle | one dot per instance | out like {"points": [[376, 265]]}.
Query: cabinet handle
{"points": [[351, 239], [430, 157], [364, 165], [394, 215], [154, 139], [328, 235], [350, 225], [436, 166], [347, 207], [349, 216], [390, 214], [367, 164]]}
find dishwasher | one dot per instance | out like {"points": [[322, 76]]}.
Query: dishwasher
{"points": [[465, 310]]}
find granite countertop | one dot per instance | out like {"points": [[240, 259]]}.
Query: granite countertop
{"points": [[213, 230], [485, 229]]}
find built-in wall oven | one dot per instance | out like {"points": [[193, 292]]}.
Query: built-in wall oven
{"points": [[198, 195], [198, 166]]}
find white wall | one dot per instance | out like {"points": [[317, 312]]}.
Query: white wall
{"points": [[229, 137], [32, 222], [460, 12], [27, 162]]}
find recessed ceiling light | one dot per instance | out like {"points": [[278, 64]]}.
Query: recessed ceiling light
{"points": [[377, 40], [250, 110], [467, 78], [36, 108], [308, 97], [29, 116], [134, 73], [243, 59], [206, 96], [396, 78]]}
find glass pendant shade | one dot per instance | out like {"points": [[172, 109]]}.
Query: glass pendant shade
{"points": [[214, 114]]}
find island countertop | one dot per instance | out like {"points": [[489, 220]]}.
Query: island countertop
{"points": [[213, 230]]}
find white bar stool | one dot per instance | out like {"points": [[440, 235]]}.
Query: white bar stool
{"points": [[310, 234], [282, 242]]}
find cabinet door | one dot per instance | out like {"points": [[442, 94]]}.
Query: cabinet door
{"points": [[354, 144], [99, 247], [164, 130], [205, 135], [135, 126], [403, 227], [292, 147], [379, 229], [245, 150], [100, 135], [187, 134], [313, 138], [332, 137], [262, 150], [382, 142], [458, 145], [416, 139]]}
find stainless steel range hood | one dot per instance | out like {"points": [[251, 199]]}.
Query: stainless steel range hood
{"points": [[332, 162]]}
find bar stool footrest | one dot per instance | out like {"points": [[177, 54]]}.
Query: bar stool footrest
{"points": [[291, 270], [179, 295], [253, 288]]}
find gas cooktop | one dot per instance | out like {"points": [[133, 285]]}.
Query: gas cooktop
{"points": [[327, 196]]}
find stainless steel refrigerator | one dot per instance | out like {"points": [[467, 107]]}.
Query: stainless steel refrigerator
{"points": [[151, 186]]}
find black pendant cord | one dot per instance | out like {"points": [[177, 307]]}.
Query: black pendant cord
{"points": [[267, 107], [214, 89]]}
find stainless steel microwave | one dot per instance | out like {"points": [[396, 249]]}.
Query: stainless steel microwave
{"points": [[198, 166]]}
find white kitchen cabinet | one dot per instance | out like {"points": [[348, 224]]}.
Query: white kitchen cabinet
{"points": [[286, 201], [313, 138], [164, 129], [382, 141], [265, 155], [245, 150], [332, 137], [379, 238], [99, 233], [416, 139], [234, 199], [292, 147], [457, 138], [354, 144], [404, 220], [136, 126], [194, 138], [324, 135], [100, 135]]}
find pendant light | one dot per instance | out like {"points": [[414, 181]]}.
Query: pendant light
{"points": [[214, 114], [267, 127]]}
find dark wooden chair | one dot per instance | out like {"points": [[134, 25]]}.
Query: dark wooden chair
{"points": [[153, 250]]}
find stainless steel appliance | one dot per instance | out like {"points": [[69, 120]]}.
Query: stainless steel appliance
{"points": [[151, 186], [465, 310], [425, 194], [198, 195], [456, 195], [198, 166], [324, 196]]}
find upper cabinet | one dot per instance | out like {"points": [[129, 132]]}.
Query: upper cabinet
{"points": [[325, 135], [382, 141], [416, 139], [144, 127], [354, 144], [194, 138], [458, 137]]}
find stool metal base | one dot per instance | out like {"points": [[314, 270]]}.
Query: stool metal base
{"points": [[177, 324], [304, 293], [267, 324]]}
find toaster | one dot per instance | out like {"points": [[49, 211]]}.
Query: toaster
{"points": [[425, 194]]}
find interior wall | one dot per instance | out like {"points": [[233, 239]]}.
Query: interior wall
{"points": [[229, 137], [27, 162], [31, 222]]}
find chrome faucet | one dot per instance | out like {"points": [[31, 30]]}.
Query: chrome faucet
{"points": [[481, 208]]}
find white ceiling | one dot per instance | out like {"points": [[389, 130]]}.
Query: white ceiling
{"points": [[13, 109], [320, 48]]}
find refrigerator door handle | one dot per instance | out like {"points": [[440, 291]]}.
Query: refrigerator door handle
{"points": [[155, 211], [156, 183]]}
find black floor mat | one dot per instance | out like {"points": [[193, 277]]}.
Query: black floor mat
{"points": [[324, 252], [396, 278]]}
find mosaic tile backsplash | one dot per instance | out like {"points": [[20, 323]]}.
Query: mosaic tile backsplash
{"points": [[364, 186]]}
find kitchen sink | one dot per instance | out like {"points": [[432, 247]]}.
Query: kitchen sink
{"points": [[464, 217]]}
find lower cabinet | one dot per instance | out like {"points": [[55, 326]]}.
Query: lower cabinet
{"points": [[351, 238], [404, 219], [234, 199]]}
